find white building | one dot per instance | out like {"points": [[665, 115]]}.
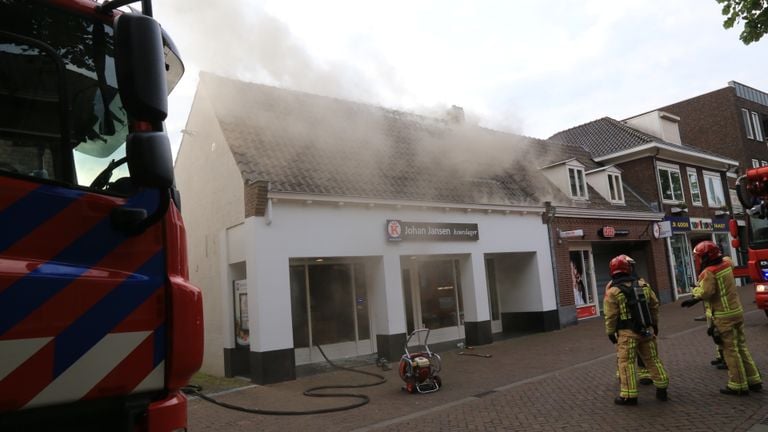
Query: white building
{"points": [[314, 221]]}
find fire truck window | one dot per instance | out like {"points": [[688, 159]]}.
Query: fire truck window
{"points": [[58, 92]]}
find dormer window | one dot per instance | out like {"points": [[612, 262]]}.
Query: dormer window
{"points": [[577, 183], [615, 188]]}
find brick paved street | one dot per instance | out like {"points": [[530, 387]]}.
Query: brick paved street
{"points": [[556, 381]]}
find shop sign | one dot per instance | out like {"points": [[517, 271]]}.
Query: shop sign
{"points": [[662, 229], [701, 224], [398, 230], [606, 232], [571, 233], [679, 223], [611, 232], [586, 312], [720, 224]]}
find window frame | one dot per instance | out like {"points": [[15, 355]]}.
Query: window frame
{"points": [[719, 182], [756, 163], [693, 172], [756, 126], [747, 123], [615, 188], [669, 169], [577, 186]]}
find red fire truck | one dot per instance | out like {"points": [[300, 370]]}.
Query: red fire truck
{"points": [[99, 326], [752, 191]]}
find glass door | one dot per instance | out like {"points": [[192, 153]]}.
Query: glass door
{"points": [[329, 306], [493, 295], [435, 300], [681, 255]]}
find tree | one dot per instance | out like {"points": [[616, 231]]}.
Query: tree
{"points": [[754, 13]]}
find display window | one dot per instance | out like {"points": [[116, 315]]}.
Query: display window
{"points": [[329, 307], [583, 283], [682, 264]]}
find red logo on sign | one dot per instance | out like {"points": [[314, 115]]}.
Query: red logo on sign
{"points": [[609, 231]]}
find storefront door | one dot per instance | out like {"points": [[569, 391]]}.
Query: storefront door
{"points": [[329, 304], [433, 299], [682, 264], [493, 295]]}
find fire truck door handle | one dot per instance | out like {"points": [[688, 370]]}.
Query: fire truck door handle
{"points": [[129, 220]]}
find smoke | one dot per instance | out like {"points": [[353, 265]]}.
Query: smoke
{"points": [[241, 41]]}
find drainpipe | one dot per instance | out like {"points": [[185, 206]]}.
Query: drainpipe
{"points": [[548, 217], [667, 240]]}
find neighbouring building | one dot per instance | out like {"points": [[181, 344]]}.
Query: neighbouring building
{"points": [[731, 121], [687, 184], [314, 221]]}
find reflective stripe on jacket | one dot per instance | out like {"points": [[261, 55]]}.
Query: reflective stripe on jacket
{"points": [[717, 287]]}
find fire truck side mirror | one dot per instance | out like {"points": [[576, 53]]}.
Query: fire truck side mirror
{"points": [[733, 228], [149, 159], [140, 67]]}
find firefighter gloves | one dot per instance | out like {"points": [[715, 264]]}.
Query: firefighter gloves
{"points": [[689, 302], [612, 338]]}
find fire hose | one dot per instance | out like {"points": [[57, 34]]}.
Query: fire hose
{"points": [[196, 390]]}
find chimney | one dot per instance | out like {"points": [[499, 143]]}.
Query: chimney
{"points": [[455, 115]]}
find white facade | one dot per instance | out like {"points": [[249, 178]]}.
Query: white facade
{"points": [[294, 230]]}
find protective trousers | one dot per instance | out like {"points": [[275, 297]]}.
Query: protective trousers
{"points": [[629, 345], [742, 371]]}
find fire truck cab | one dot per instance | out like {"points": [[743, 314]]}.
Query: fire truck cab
{"points": [[752, 191], [99, 326]]}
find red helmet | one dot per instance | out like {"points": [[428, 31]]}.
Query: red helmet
{"points": [[621, 264], [706, 253]]}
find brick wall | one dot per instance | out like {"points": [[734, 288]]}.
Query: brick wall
{"points": [[640, 234], [640, 176], [635, 174], [713, 121], [256, 198]]}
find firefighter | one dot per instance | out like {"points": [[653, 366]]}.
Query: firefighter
{"points": [[718, 361], [642, 371], [717, 287], [631, 322]]}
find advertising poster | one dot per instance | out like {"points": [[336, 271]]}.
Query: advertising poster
{"points": [[241, 312]]}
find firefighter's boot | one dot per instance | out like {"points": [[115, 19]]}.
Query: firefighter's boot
{"points": [[661, 394], [644, 376], [625, 401]]}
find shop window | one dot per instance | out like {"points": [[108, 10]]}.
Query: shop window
{"points": [[693, 182], [493, 292], [670, 183], [714, 186], [439, 294], [681, 255], [329, 304], [582, 283]]}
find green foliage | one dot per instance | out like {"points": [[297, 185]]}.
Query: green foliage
{"points": [[754, 14]]}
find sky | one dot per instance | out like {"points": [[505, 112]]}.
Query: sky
{"points": [[532, 68]]}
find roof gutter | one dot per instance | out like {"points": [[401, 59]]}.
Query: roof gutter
{"points": [[647, 150]]}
